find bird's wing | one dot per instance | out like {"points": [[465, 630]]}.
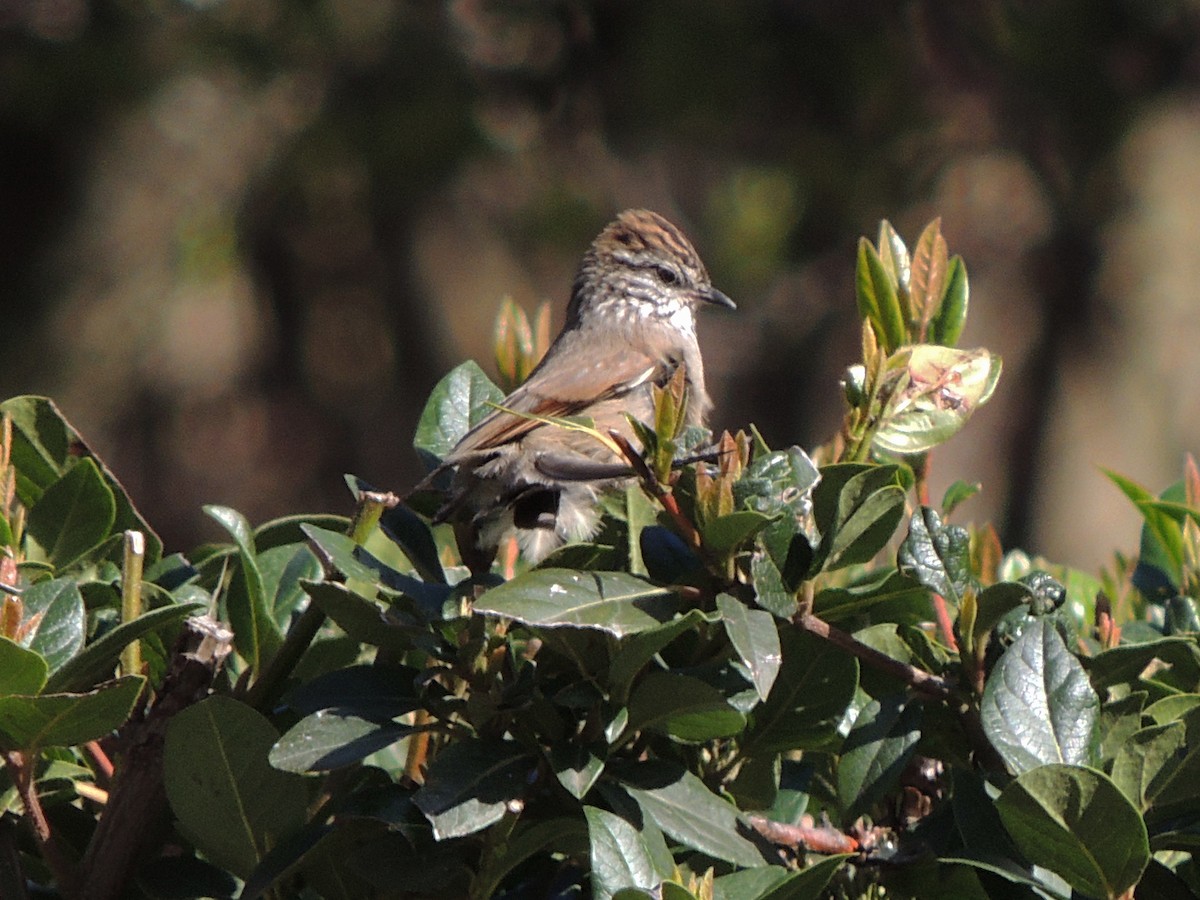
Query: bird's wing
{"points": [[560, 387]]}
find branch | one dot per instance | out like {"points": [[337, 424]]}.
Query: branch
{"points": [[137, 803], [918, 679]]}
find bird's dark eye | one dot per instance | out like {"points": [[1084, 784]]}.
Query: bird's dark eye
{"points": [[666, 275]]}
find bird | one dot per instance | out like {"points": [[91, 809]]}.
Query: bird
{"points": [[630, 325]]}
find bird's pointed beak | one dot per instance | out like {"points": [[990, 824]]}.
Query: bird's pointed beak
{"points": [[711, 295]]}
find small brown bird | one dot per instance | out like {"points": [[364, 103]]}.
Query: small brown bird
{"points": [[630, 324]]}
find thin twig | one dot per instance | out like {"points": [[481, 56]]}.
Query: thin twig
{"points": [[22, 770], [919, 680]]}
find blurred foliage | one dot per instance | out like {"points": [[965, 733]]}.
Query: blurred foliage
{"points": [[338, 193]]}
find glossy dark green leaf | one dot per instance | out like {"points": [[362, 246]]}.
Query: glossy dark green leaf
{"points": [[470, 784], [1159, 766], [332, 738], [770, 592], [568, 835], [282, 569], [809, 883], [756, 785], [1075, 822], [225, 794], [936, 555], [686, 708], [256, 635], [412, 535], [64, 720], [73, 516], [378, 692], [994, 602], [57, 608], [98, 660], [888, 594], [873, 757], [21, 671], [1038, 706], [777, 482], [635, 650], [689, 812], [947, 325], [811, 693], [576, 768], [615, 602], [857, 508], [725, 534], [365, 572], [756, 639], [459, 401], [1127, 663], [619, 855], [363, 619]]}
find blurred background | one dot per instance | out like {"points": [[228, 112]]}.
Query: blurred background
{"points": [[240, 240]]}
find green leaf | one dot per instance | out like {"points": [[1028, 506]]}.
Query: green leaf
{"points": [[45, 446], [62, 620], [282, 569], [362, 619], [1162, 532], [635, 650], [21, 671], [576, 768], [947, 325], [1169, 709], [366, 573], [756, 639], [933, 391], [458, 402], [228, 799], [777, 883], [256, 635], [470, 784], [64, 720], [379, 692], [615, 602], [690, 813], [895, 594], [878, 302], [957, 493], [994, 602], [770, 592], [1075, 822], [816, 684], [619, 855], [73, 516], [725, 534], [857, 509], [937, 555], [332, 738], [879, 746], [563, 834], [1038, 706], [1159, 766], [1127, 664], [98, 660], [686, 708]]}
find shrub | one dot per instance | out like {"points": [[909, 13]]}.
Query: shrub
{"points": [[771, 675]]}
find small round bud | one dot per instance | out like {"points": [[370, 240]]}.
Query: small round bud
{"points": [[854, 385]]}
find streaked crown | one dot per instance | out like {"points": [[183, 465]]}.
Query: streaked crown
{"points": [[641, 264]]}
